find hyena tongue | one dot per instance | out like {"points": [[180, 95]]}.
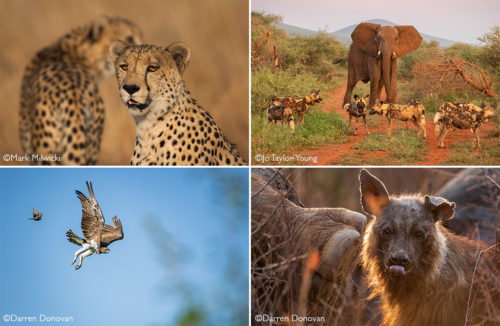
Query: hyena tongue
{"points": [[397, 270]]}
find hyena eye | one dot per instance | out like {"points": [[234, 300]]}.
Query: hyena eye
{"points": [[387, 232], [124, 67], [153, 68], [419, 235]]}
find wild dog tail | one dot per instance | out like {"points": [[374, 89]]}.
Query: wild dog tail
{"points": [[74, 238], [438, 126]]}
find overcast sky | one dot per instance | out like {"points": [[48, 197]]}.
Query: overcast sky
{"points": [[457, 20]]}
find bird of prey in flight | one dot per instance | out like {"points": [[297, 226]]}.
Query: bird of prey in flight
{"points": [[97, 234], [37, 216]]}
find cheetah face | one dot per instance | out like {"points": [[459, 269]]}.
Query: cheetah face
{"points": [[99, 36], [149, 76]]}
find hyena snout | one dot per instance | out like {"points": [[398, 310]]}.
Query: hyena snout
{"points": [[398, 263], [399, 258]]}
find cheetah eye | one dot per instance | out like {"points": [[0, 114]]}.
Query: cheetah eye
{"points": [[124, 67], [153, 68]]}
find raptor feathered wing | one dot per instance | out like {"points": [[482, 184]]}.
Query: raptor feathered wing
{"points": [[92, 218], [112, 233]]}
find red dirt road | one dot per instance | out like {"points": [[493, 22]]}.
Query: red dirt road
{"points": [[328, 155]]}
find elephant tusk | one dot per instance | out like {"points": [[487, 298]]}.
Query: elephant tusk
{"points": [[379, 53], [394, 55]]}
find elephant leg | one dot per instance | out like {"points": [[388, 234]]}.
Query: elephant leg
{"points": [[351, 82], [366, 126], [379, 90]]}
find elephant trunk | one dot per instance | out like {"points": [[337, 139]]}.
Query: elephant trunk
{"points": [[387, 73]]}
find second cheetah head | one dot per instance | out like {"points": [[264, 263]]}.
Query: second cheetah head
{"points": [[149, 76]]}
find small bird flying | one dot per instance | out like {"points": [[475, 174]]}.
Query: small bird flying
{"points": [[37, 216], [98, 235]]}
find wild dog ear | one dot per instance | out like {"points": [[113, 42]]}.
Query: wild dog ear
{"points": [[116, 49], [181, 54], [356, 97], [441, 209], [374, 195]]}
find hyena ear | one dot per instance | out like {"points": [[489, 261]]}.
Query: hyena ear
{"points": [[374, 195], [441, 209], [116, 49], [181, 54]]}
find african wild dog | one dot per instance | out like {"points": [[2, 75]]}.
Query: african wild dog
{"points": [[421, 271], [300, 105], [357, 109], [461, 116], [413, 111], [282, 113]]}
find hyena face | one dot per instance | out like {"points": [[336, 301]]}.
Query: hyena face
{"points": [[403, 242]]}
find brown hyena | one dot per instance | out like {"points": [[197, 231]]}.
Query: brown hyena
{"points": [[421, 271], [461, 116], [357, 109], [413, 111]]}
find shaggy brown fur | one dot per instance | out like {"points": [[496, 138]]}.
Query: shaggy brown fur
{"points": [[283, 236], [421, 271]]}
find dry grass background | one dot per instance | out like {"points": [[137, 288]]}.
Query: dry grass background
{"points": [[217, 76]]}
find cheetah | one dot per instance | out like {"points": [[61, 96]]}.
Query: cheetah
{"points": [[61, 112], [172, 129]]}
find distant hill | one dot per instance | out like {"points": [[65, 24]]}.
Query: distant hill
{"points": [[344, 35]]}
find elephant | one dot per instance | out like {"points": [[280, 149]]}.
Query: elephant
{"points": [[373, 57]]}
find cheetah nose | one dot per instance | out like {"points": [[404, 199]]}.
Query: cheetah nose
{"points": [[131, 89]]}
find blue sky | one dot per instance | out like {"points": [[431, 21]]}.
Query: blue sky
{"points": [[457, 20], [185, 244]]}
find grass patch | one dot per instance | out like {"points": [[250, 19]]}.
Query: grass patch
{"points": [[319, 128], [403, 147], [462, 154]]}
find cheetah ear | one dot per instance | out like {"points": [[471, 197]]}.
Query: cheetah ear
{"points": [[116, 49], [97, 27], [181, 54]]}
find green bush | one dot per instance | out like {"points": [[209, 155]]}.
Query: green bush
{"points": [[266, 84]]}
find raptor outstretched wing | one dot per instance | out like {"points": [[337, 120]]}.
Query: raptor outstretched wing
{"points": [[112, 233], [92, 218]]}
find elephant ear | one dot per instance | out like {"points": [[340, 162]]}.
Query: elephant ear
{"points": [[408, 40], [363, 37]]}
